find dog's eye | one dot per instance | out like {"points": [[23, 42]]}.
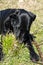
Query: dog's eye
{"points": [[13, 21]]}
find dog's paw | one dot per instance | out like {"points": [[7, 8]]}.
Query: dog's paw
{"points": [[34, 57]]}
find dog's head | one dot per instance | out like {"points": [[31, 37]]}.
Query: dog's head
{"points": [[11, 23]]}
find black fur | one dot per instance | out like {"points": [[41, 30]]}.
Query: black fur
{"points": [[19, 22]]}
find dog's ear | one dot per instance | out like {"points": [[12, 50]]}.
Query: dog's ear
{"points": [[33, 16], [16, 13]]}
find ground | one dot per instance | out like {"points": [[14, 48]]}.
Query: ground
{"points": [[16, 54]]}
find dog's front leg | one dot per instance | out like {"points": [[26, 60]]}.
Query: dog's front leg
{"points": [[1, 52], [33, 55]]}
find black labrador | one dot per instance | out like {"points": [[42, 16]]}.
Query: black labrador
{"points": [[19, 22]]}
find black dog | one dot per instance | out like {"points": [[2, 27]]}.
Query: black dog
{"points": [[19, 22]]}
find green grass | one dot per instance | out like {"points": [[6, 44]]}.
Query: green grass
{"points": [[15, 53]]}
